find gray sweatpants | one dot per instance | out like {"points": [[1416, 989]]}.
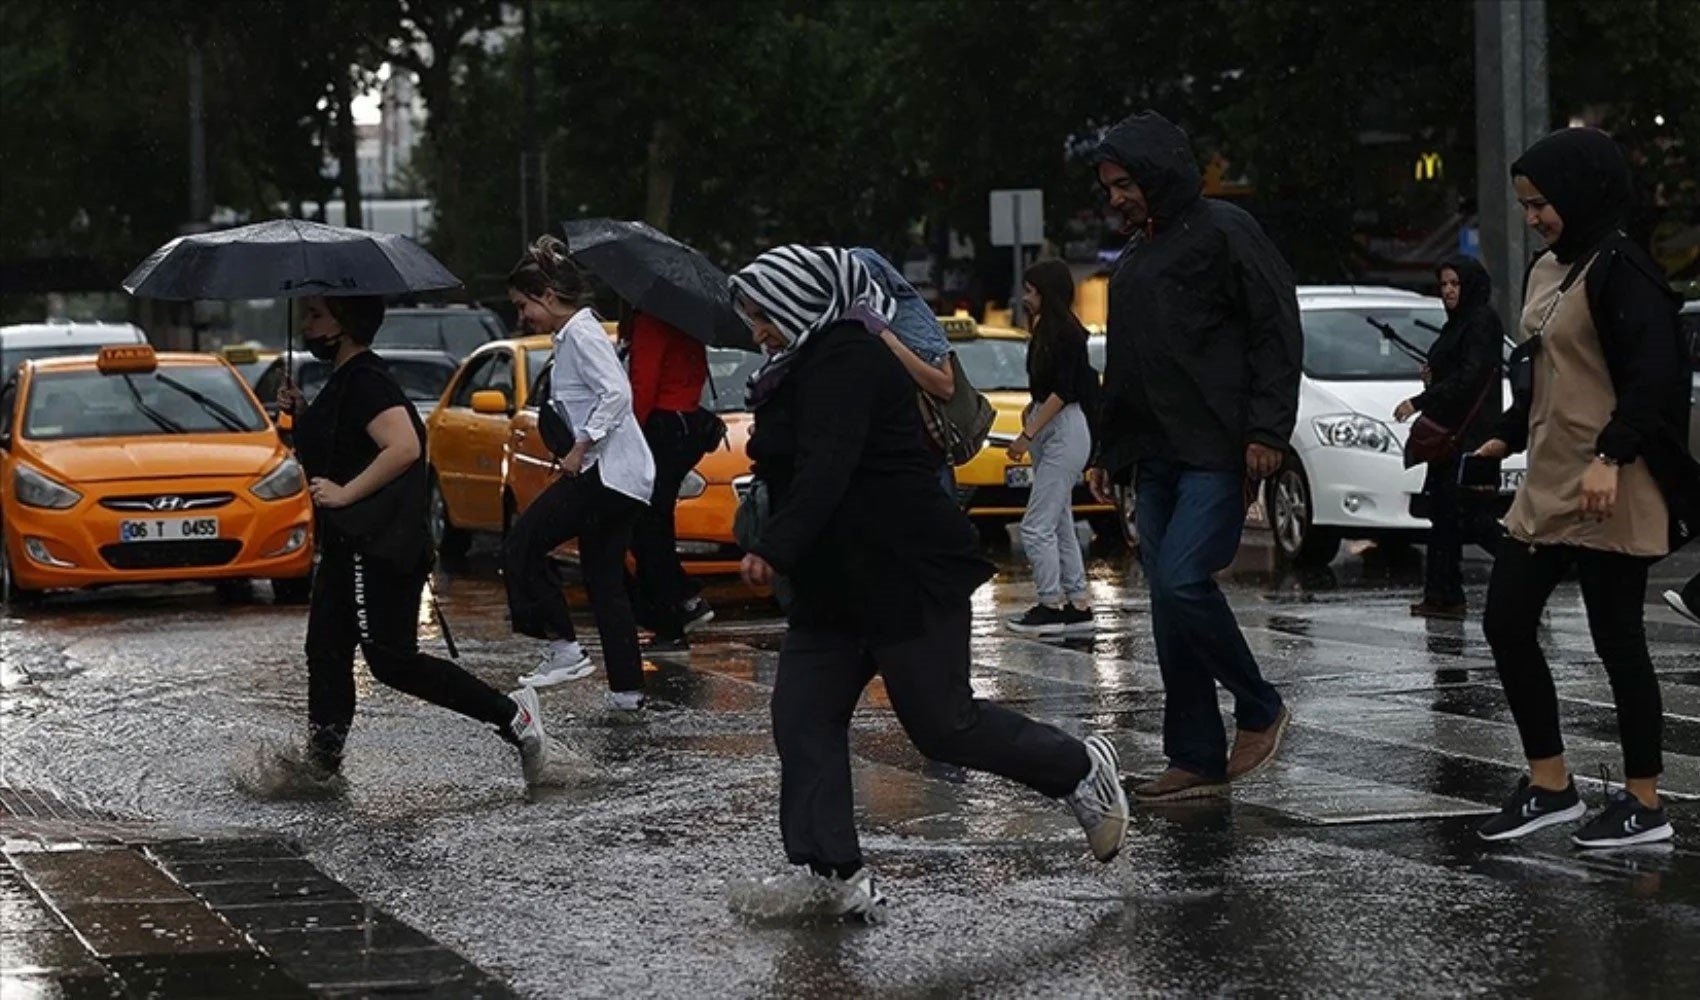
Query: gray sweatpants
{"points": [[1060, 454]]}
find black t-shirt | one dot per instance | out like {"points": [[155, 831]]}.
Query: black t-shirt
{"points": [[1064, 369], [331, 436]]}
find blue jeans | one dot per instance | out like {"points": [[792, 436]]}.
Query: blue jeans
{"points": [[1189, 529]]}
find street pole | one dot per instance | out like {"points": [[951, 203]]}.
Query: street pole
{"points": [[1511, 113], [1015, 305]]}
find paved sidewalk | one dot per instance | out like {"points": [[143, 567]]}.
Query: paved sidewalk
{"points": [[96, 905]]}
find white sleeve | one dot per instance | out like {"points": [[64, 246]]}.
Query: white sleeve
{"points": [[599, 366]]}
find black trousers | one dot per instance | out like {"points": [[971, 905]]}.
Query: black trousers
{"points": [[1459, 517], [821, 677], [1613, 589], [601, 519], [661, 583], [363, 603]]}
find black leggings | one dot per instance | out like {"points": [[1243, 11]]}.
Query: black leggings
{"points": [[601, 519], [821, 677], [661, 584], [1613, 589], [364, 603]]}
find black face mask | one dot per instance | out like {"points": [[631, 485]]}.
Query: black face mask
{"points": [[323, 348]]}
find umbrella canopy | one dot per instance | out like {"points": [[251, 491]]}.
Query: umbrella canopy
{"points": [[661, 276], [287, 258]]}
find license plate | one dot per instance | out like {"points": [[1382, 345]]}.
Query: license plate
{"points": [[1018, 476], [168, 529], [1510, 482]]}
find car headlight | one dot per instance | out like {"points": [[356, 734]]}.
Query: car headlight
{"points": [[1354, 430], [284, 481], [36, 490], [692, 485]]}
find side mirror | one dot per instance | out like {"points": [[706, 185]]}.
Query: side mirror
{"points": [[491, 401]]}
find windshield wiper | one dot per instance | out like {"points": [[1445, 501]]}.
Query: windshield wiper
{"points": [[223, 414], [1414, 352], [160, 419]]}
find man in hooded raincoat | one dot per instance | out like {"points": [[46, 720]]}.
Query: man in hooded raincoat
{"points": [[1200, 396]]}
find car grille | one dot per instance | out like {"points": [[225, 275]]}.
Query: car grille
{"points": [[168, 503], [170, 555]]}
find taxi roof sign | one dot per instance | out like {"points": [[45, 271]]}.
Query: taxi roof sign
{"points": [[126, 359], [240, 354], [959, 327]]}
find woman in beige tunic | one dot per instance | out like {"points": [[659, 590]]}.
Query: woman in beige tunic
{"points": [[1608, 388]]}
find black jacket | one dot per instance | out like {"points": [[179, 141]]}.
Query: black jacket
{"points": [[1204, 346], [1466, 356], [860, 524]]}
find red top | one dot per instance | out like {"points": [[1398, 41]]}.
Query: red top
{"points": [[668, 368]]}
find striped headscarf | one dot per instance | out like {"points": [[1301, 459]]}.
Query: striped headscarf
{"points": [[804, 290]]}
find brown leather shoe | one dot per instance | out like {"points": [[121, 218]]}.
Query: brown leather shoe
{"points": [[1253, 749], [1452, 612], [1175, 784]]}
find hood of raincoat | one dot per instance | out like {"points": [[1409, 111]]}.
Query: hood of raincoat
{"points": [[1158, 156], [1583, 173]]}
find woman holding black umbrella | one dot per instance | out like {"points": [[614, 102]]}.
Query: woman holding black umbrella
{"points": [[361, 444]]}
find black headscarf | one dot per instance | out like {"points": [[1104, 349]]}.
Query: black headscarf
{"points": [[1583, 173], [1475, 289]]}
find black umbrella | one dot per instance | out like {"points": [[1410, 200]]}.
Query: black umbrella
{"points": [[661, 276], [287, 258]]}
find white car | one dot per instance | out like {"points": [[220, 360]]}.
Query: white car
{"points": [[58, 339], [1346, 476]]}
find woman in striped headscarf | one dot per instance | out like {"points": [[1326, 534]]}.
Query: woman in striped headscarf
{"points": [[882, 565]]}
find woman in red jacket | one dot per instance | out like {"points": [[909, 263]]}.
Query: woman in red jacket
{"points": [[668, 368]]}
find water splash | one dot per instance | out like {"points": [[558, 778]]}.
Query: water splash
{"points": [[566, 767], [269, 769], [793, 899]]}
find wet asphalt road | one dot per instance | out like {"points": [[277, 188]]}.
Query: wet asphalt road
{"points": [[1349, 868]]}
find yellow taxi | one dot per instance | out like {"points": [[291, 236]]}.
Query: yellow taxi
{"points": [[467, 432], [708, 498], [137, 467], [990, 487]]}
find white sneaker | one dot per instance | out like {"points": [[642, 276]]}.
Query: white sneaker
{"points": [[859, 898], [561, 662], [628, 702], [1099, 802], [697, 613], [1677, 604], [527, 727]]}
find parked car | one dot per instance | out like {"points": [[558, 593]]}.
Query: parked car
{"points": [[991, 488], [455, 330], [250, 362], [53, 339], [136, 467], [708, 498], [1345, 475], [467, 433], [423, 376]]}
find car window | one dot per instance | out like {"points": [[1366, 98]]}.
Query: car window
{"points": [[8, 398], [992, 364], [179, 399], [535, 359], [464, 332], [1345, 344], [502, 373], [269, 383], [421, 380], [540, 384], [476, 377], [421, 331], [729, 374]]}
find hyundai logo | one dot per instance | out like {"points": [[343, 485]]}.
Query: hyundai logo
{"points": [[167, 503]]}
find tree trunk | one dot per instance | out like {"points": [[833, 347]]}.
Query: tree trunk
{"points": [[658, 202], [347, 146]]}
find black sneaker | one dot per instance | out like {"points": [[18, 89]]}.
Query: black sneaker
{"points": [[1529, 809], [1079, 619], [695, 613], [1624, 823], [667, 644], [1041, 620]]}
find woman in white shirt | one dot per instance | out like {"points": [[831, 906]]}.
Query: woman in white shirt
{"points": [[606, 478]]}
